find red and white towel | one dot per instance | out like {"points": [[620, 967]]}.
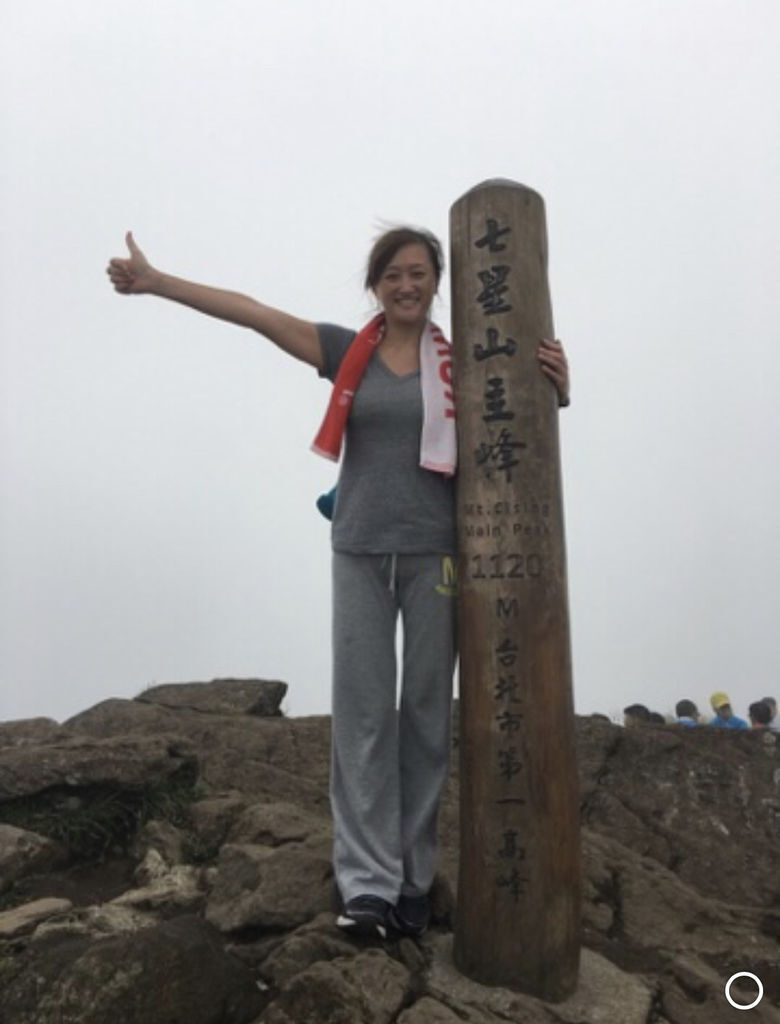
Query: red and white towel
{"points": [[438, 443]]}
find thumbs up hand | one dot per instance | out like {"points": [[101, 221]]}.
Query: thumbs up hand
{"points": [[133, 275]]}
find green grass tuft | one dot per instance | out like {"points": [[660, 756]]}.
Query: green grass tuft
{"points": [[94, 822]]}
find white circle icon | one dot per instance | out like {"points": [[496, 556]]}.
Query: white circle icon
{"points": [[744, 1006]]}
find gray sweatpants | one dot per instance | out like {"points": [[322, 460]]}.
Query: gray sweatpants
{"points": [[390, 761]]}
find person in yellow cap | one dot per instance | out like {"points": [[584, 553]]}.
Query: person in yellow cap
{"points": [[724, 716]]}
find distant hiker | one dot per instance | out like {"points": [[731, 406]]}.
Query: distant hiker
{"points": [[760, 714], [635, 715], [724, 716], [687, 713]]}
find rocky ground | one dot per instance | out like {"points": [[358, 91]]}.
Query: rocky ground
{"points": [[167, 859]]}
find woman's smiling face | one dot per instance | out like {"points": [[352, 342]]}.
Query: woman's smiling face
{"points": [[407, 286]]}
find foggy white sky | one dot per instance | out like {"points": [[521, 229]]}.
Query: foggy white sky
{"points": [[157, 520]]}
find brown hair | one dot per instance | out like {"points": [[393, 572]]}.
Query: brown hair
{"points": [[388, 244]]}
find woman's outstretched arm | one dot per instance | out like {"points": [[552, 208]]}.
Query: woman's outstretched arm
{"points": [[134, 275]]}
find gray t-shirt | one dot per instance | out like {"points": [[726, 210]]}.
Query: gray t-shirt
{"points": [[386, 503]]}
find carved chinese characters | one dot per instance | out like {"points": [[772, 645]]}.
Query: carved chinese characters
{"points": [[519, 827]]}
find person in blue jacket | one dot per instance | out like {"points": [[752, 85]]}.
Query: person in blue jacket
{"points": [[724, 716]]}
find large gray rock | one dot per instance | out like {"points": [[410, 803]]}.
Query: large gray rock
{"points": [[262, 758], [176, 971], [270, 887], [430, 1011], [690, 992], [703, 802], [366, 989], [164, 839], [119, 717], [96, 922], [20, 920], [24, 853], [220, 696], [170, 889], [24, 731], [211, 819], [130, 762], [642, 916], [277, 823], [605, 995], [318, 940], [84, 883]]}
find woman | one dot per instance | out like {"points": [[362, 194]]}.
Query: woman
{"points": [[393, 544]]}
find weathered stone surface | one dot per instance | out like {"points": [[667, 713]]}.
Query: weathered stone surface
{"points": [[692, 993], [84, 884], [315, 941], [270, 887], [366, 989], [153, 867], [430, 1011], [123, 761], [24, 918], [176, 971], [703, 802], [644, 915], [264, 758], [605, 995], [29, 730], [273, 824], [95, 922], [658, 806], [162, 838], [213, 817], [221, 696], [23, 853], [119, 717], [165, 888]]}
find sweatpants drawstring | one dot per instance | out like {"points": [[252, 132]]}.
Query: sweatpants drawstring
{"points": [[393, 571]]}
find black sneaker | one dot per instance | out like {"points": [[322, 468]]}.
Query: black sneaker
{"points": [[411, 915], [365, 915]]}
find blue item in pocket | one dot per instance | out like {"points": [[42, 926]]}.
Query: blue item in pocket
{"points": [[326, 503]]}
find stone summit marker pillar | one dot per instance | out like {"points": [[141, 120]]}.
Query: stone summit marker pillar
{"points": [[518, 916]]}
